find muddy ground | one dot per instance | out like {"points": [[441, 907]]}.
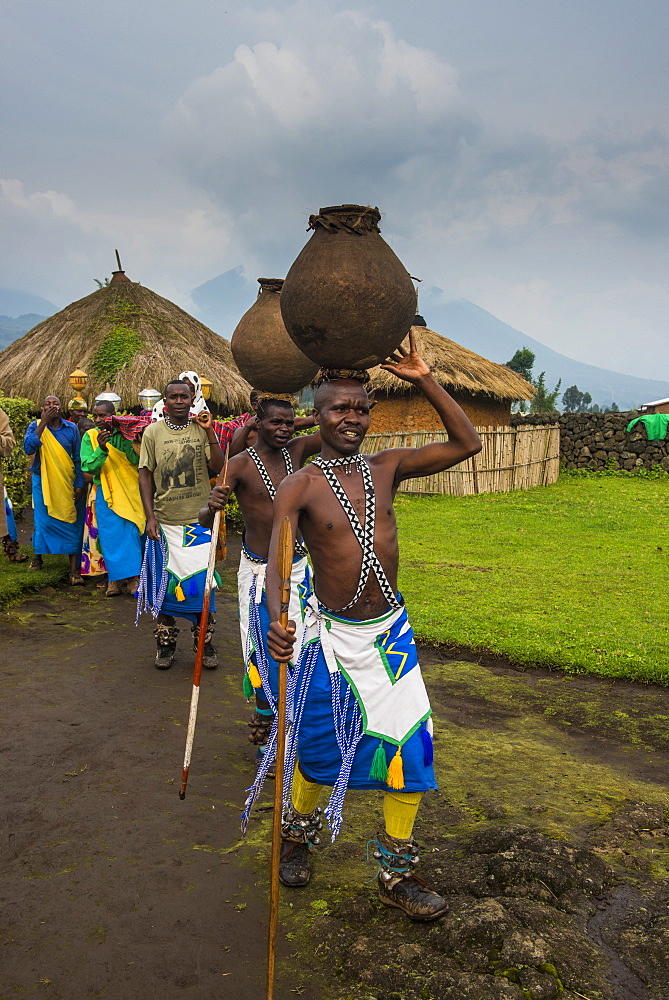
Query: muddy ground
{"points": [[549, 834]]}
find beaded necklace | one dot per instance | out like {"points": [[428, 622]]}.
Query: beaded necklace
{"points": [[175, 427]]}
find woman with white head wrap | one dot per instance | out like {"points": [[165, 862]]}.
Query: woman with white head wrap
{"points": [[197, 406]]}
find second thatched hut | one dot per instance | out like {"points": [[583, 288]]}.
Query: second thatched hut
{"points": [[126, 336], [484, 389]]}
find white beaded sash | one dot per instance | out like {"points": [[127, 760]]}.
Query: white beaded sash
{"points": [[364, 534]]}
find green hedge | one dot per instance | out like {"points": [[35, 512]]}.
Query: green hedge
{"points": [[15, 468]]}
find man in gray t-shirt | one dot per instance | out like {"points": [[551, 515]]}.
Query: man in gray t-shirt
{"points": [[174, 486], [178, 461]]}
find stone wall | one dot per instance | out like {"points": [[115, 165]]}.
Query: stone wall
{"points": [[591, 440]]}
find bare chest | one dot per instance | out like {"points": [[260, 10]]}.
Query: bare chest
{"points": [[346, 510], [264, 478]]}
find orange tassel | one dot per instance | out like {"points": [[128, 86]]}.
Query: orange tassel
{"points": [[395, 777]]}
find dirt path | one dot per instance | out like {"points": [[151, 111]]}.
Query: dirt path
{"points": [[113, 888]]}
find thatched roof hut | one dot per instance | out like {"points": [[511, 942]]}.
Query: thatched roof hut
{"points": [[125, 335], [483, 388]]}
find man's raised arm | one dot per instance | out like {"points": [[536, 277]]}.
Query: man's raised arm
{"points": [[216, 455], [239, 440], [463, 441], [305, 445]]}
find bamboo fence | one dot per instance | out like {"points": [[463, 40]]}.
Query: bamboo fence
{"points": [[512, 458]]}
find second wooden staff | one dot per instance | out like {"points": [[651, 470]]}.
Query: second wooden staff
{"points": [[285, 563], [202, 635]]}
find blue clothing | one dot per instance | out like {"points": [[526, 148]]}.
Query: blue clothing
{"points": [[11, 523], [67, 436], [192, 588], [256, 617], [51, 536], [317, 749], [120, 541], [349, 738]]}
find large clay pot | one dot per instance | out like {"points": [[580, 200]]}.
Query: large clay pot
{"points": [[347, 301], [263, 351]]}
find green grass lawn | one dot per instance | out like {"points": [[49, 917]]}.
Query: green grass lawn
{"points": [[16, 579], [572, 575]]}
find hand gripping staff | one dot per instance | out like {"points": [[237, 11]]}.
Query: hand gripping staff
{"points": [[204, 619], [285, 562]]}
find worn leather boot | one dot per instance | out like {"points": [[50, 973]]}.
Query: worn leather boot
{"points": [[12, 550], [166, 643], [398, 886], [298, 832], [210, 659]]}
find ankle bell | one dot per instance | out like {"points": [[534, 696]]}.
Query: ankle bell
{"points": [[261, 727], [166, 635], [302, 828], [195, 629], [395, 858]]}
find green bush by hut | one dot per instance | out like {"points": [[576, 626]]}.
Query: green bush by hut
{"points": [[15, 466]]}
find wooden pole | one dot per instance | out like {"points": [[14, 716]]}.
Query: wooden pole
{"points": [[475, 477], [204, 621], [285, 561]]}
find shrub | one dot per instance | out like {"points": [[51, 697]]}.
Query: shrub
{"points": [[15, 468], [233, 515], [639, 472]]}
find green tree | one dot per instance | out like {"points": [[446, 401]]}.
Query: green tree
{"points": [[544, 401], [522, 362], [575, 401], [572, 399]]}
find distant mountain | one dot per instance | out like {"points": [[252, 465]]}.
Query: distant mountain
{"points": [[222, 302], [15, 303], [11, 327], [482, 332]]}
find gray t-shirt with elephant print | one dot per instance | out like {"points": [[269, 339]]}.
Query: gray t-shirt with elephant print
{"points": [[178, 461]]}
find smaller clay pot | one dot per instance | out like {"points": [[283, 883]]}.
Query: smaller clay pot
{"points": [[262, 349]]}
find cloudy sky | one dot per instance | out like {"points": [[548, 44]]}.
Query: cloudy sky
{"points": [[517, 149]]}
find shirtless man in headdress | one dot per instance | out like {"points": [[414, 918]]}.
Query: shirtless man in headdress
{"points": [[253, 476], [360, 711], [246, 434]]}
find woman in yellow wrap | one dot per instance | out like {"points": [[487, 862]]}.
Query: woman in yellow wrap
{"points": [[57, 487], [112, 461]]}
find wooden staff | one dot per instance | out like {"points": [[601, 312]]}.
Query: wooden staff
{"points": [[285, 562], [204, 621]]}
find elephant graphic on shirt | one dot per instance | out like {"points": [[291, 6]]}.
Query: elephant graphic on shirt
{"points": [[182, 473]]}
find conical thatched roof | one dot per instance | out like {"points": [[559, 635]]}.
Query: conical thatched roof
{"points": [[456, 368], [126, 335]]}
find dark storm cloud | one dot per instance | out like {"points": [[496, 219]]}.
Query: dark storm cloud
{"points": [[517, 150]]}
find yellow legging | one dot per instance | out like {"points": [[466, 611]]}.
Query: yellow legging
{"points": [[399, 808]]}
